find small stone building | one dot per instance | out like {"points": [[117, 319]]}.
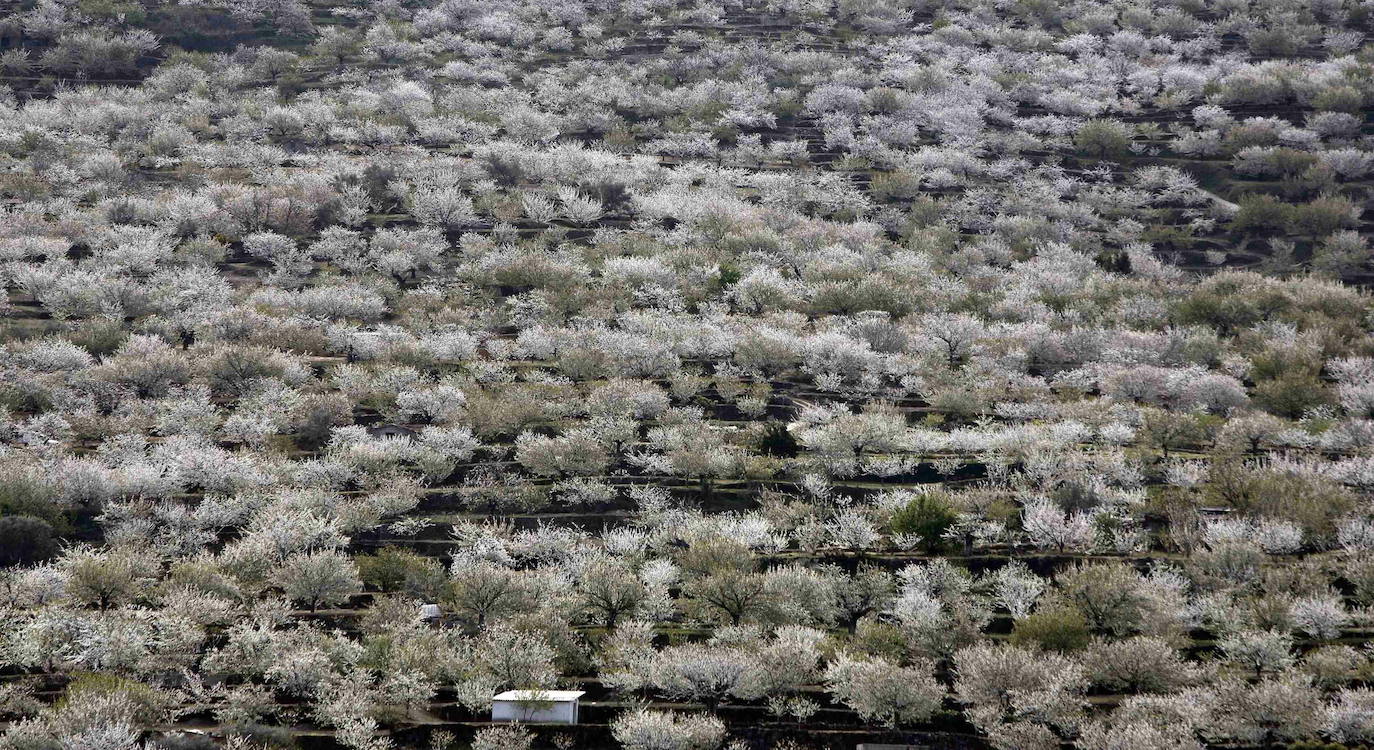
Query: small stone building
{"points": [[391, 431], [537, 706]]}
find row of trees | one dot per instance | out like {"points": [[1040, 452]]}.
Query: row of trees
{"points": [[831, 362], [896, 647]]}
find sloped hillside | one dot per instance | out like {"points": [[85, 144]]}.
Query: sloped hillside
{"points": [[795, 374]]}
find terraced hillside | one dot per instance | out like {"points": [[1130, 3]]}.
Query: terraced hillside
{"points": [[783, 374]]}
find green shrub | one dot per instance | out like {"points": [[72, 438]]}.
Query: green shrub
{"points": [[1058, 628], [1339, 99], [878, 638], [1277, 361], [1290, 161], [1325, 215], [97, 691], [1274, 42], [1103, 138], [1313, 503], [926, 516], [100, 337], [895, 185], [1261, 211], [26, 496], [1243, 135], [1292, 394], [25, 540], [397, 569], [1168, 430]]}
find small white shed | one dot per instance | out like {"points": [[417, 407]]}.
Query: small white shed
{"points": [[537, 706], [429, 612]]}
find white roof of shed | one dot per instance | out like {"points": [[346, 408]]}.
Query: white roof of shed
{"points": [[556, 696]]}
